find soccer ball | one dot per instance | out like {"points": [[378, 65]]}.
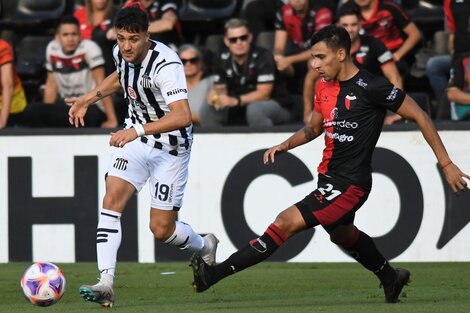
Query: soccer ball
{"points": [[43, 284]]}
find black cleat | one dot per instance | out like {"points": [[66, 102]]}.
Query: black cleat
{"points": [[393, 290], [202, 280]]}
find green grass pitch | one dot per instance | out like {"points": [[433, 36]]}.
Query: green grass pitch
{"points": [[267, 287]]}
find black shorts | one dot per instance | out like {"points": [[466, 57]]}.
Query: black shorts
{"points": [[333, 203]]}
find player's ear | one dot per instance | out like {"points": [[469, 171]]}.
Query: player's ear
{"points": [[341, 54]]}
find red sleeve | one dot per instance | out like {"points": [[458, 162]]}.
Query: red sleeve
{"points": [[449, 16], [316, 100], [6, 52], [324, 17]]}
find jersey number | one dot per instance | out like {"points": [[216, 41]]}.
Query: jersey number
{"points": [[161, 191], [329, 192]]}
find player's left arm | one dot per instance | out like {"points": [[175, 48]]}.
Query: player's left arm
{"points": [[166, 23], [454, 176]]}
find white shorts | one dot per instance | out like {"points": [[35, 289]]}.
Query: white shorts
{"points": [[136, 162]]}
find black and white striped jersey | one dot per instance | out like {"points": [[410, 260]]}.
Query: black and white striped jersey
{"points": [[149, 88]]}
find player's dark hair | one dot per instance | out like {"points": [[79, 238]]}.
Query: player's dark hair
{"points": [[67, 20], [346, 10], [132, 19], [335, 37]]}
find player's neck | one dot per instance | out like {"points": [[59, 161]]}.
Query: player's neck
{"points": [[348, 71]]}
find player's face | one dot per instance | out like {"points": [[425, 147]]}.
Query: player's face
{"points": [[191, 61], [326, 61], [99, 4], [238, 41], [68, 36], [298, 5], [351, 24], [133, 46]]}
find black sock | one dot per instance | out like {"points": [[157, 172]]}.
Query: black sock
{"points": [[366, 253], [256, 251]]}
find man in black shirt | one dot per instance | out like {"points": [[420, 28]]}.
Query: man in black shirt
{"points": [[247, 89], [350, 107]]}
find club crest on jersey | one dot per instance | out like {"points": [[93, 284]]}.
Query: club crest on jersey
{"points": [[146, 82], [131, 93], [348, 99]]}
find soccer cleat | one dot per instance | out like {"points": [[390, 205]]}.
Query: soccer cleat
{"points": [[202, 280], [393, 290], [99, 293], [209, 249]]}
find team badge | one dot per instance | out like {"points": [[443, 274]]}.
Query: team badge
{"points": [[146, 82], [348, 99], [131, 92]]}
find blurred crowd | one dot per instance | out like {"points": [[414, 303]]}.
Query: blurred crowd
{"points": [[247, 62]]}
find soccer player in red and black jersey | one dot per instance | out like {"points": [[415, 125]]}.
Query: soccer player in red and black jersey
{"points": [[350, 108]]}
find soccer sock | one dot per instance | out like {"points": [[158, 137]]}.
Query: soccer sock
{"points": [[362, 248], [184, 238], [108, 240], [256, 251]]}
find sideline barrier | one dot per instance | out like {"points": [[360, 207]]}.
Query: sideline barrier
{"points": [[51, 187]]}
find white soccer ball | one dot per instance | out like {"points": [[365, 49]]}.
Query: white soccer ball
{"points": [[43, 284]]}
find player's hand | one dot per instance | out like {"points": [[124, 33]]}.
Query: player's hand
{"points": [[121, 137], [77, 111], [455, 178], [271, 152]]}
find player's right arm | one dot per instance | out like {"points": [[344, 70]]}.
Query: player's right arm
{"points": [[306, 134], [80, 104]]}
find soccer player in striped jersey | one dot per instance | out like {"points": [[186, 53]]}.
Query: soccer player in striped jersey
{"points": [[350, 106], [155, 144]]}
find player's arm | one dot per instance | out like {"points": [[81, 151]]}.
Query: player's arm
{"points": [[391, 72], [111, 120], [80, 104], [280, 41], [306, 134], [454, 176], [166, 23], [412, 39], [6, 74], [178, 117]]}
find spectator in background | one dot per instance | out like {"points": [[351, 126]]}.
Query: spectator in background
{"points": [[164, 22], [296, 22], [261, 15], [457, 13], [387, 21], [198, 83], [96, 23], [458, 92], [12, 97], [74, 66], [247, 88]]}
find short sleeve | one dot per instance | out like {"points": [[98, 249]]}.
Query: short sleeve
{"points": [[380, 92], [457, 77], [383, 54], [219, 71], [279, 21], [401, 18], [94, 55], [172, 82], [6, 52], [266, 68]]}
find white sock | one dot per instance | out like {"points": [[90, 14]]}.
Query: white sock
{"points": [[184, 238], [108, 240]]}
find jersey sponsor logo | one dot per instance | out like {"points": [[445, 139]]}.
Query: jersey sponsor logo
{"points": [[393, 94], [120, 164], [340, 138], [342, 124], [146, 82], [131, 92], [176, 91], [360, 82]]}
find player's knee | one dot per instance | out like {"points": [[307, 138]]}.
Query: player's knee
{"points": [[113, 203], [284, 223], [161, 231]]}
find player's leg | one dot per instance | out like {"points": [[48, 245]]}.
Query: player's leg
{"points": [[168, 177], [127, 173], [363, 249], [287, 223]]}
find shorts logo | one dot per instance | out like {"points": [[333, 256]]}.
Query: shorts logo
{"points": [[120, 164], [131, 92]]}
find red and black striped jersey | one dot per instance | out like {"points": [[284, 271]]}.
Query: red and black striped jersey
{"points": [[457, 14], [353, 114]]}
